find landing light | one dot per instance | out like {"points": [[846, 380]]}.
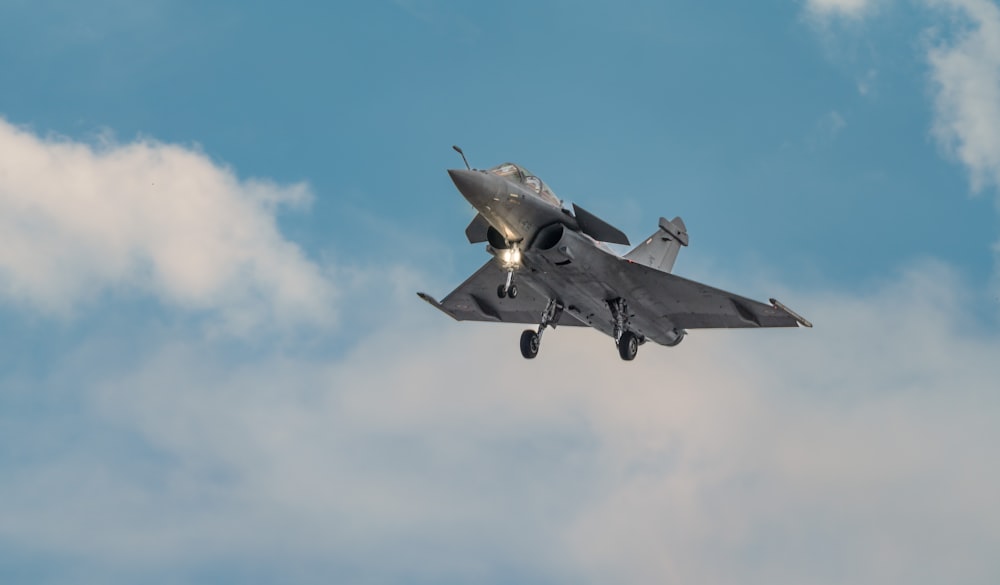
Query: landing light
{"points": [[511, 257]]}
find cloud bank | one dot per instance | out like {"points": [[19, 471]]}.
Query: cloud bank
{"points": [[854, 452], [79, 220]]}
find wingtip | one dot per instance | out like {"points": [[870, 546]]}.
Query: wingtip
{"points": [[436, 304], [798, 318]]}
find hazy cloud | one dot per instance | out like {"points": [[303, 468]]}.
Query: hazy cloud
{"points": [[80, 220], [852, 452], [844, 8], [867, 83], [827, 128]]}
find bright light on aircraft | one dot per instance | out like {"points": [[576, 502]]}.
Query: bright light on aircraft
{"points": [[512, 257]]}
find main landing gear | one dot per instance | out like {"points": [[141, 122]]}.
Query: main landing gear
{"points": [[530, 340], [628, 346], [627, 341]]}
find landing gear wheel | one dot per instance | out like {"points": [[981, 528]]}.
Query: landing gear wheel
{"points": [[628, 346], [501, 291], [529, 344], [512, 291]]}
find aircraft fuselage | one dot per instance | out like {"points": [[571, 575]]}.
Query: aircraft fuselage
{"points": [[513, 209], [553, 253]]}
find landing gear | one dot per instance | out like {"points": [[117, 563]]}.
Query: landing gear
{"points": [[628, 346], [530, 340], [627, 341], [507, 291], [511, 260], [529, 344]]}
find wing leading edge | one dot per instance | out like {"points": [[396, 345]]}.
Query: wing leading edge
{"points": [[663, 302], [476, 300]]}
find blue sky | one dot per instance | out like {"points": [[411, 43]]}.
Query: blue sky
{"points": [[661, 109], [215, 216]]}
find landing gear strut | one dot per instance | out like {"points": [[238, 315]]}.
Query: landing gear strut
{"points": [[508, 289], [530, 340], [627, 341]]}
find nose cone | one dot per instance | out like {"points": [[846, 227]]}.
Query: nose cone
{"points": [[477, 187]]}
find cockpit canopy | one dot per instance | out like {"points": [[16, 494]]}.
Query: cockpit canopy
{"points": [[518, 174]]}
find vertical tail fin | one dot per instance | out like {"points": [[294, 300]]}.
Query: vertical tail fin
{"points": [[660, 250]]}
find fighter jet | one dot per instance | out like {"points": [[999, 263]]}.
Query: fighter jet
{"points": [[550, 266]]}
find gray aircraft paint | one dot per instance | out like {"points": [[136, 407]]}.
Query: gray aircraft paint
{"points": [[562, 275]]}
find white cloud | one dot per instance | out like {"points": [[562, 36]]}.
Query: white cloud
{"points": [[80, 220], [844, 8], [965, 74], [966, 77], [853, 452]]}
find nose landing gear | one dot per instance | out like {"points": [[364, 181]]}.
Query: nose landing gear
{"points": [[511, 259], [508, 289]]}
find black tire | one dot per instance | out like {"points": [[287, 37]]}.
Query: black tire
{"points": [[628, 346], [512, 292], [529, 344], [501, 291]]}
